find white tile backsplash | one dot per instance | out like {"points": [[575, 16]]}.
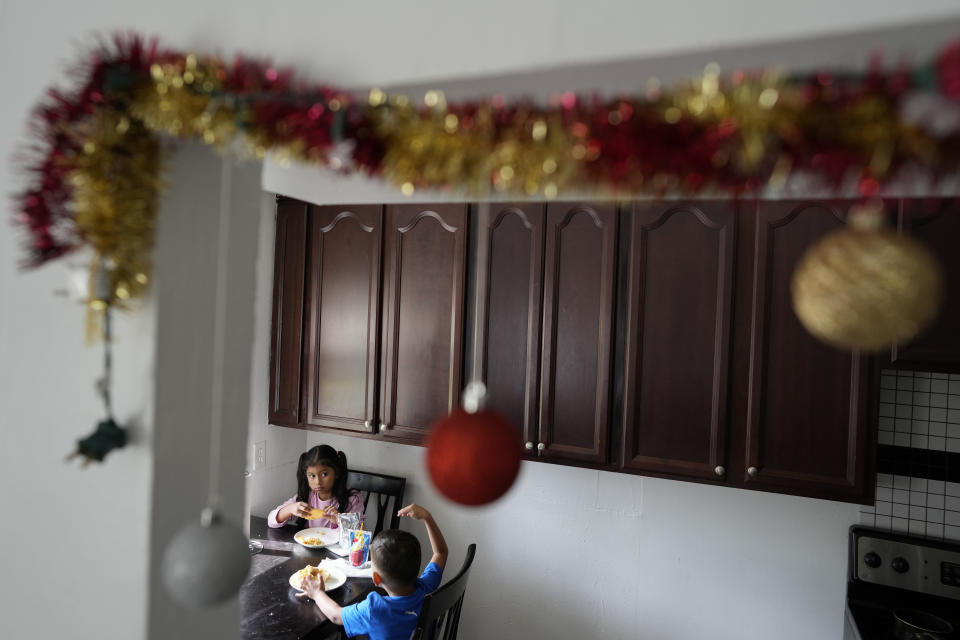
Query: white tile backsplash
{"points": [[921, 411]]}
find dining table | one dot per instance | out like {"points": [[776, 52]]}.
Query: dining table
{"points": [[269, 606]]}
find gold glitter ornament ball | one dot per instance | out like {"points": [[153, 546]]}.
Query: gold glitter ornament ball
{"points": [[866, 287]]}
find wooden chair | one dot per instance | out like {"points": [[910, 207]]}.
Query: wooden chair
{"points": [[440, 615], [384, 487]]}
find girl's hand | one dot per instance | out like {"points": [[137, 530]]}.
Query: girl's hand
{"points": [[414, 511], [330, 513], [300, 509]]}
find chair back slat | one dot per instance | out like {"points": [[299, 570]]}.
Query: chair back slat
{"points": [[386, 488], [440, 615]]}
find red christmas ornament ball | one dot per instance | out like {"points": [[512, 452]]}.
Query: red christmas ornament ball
{"points": [[473, 458]]}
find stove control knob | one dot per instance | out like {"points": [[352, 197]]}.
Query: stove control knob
{"points": [[872, 560], [900, 565]]}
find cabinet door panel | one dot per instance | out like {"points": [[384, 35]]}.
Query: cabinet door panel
{"points": [[678, 342], [290, 254], [344, 286], [579, 271], [936, 225], [510, 289], [807, 402], [423, 316]]}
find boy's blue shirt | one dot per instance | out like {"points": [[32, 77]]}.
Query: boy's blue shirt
{"points": [[391, 617]]}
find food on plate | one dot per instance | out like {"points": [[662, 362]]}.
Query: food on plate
{"points": [[310, 570], [315, 540]]}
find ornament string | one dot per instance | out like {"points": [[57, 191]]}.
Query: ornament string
{"points": [[107, 378], [219, 327]]}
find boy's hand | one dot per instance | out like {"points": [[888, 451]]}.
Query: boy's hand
{"points": [[311, 586], [414, 511]]}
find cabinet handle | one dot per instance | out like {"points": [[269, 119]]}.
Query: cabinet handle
{"points": [[529, 446], [752, 472], [367, 425], [541, 446], [719, 470], [384, 426]]}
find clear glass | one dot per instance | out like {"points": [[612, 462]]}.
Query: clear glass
{"points": [[254, 546], [346, 522]]}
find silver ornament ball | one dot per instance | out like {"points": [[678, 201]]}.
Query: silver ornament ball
{"points": [[205, 562]]}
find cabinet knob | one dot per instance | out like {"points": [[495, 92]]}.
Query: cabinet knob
{"points": [[384, 426], [529, 446], [367, 425], [541, 446], [719, 470], [752, 472]]}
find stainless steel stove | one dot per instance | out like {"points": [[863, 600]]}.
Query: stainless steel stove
{"points": [[901, 587]]}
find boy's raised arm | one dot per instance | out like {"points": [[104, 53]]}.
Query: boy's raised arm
{"points": [[437, 543]]}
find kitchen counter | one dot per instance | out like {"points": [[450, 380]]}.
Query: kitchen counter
{"points": [[269, 607]]}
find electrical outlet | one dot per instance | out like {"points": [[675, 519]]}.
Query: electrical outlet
{"points": [[260, 455]]}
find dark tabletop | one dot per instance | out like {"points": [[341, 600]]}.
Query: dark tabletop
{"points": [[269, 607]]}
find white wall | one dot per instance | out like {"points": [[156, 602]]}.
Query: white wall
{"points": [[46, 372], [185, 282], [576, 553]]}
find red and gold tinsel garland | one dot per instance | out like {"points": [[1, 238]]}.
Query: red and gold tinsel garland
{"points": [[98, 173]]}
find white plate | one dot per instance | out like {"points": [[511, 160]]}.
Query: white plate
{"points": [[337, 579], [327, 536]]}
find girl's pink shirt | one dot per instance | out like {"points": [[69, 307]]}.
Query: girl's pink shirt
{"points": [[354, 505]]}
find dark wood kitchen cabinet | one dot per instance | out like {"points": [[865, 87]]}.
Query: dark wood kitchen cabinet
{"points": [[509, 286], [936, 224], [422, 334], [679, 288], [805, 406], [545, 292], [577, 343], [660, 341], [286, 348], [343, 323]]}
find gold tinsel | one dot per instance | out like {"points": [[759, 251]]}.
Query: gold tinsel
{"points": [[116, 180], [532, 155], [866, 287], [180, 100]]}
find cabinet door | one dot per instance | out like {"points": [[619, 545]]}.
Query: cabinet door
{"points": [[424, 270], [289, 268], [680, 290], [806, 402], [344, 304], [509, 293], [936, 225], [579, 272]]}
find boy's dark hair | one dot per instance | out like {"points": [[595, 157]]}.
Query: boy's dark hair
{"points": [[329, 457], [397, 555]]}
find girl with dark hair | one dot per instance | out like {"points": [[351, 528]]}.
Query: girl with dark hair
{"points": [[321, 491]]}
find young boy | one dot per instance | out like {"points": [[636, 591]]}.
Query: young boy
{"points": [[395, 556]]}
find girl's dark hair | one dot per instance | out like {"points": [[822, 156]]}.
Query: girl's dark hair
{"points": [[329, 457]]}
